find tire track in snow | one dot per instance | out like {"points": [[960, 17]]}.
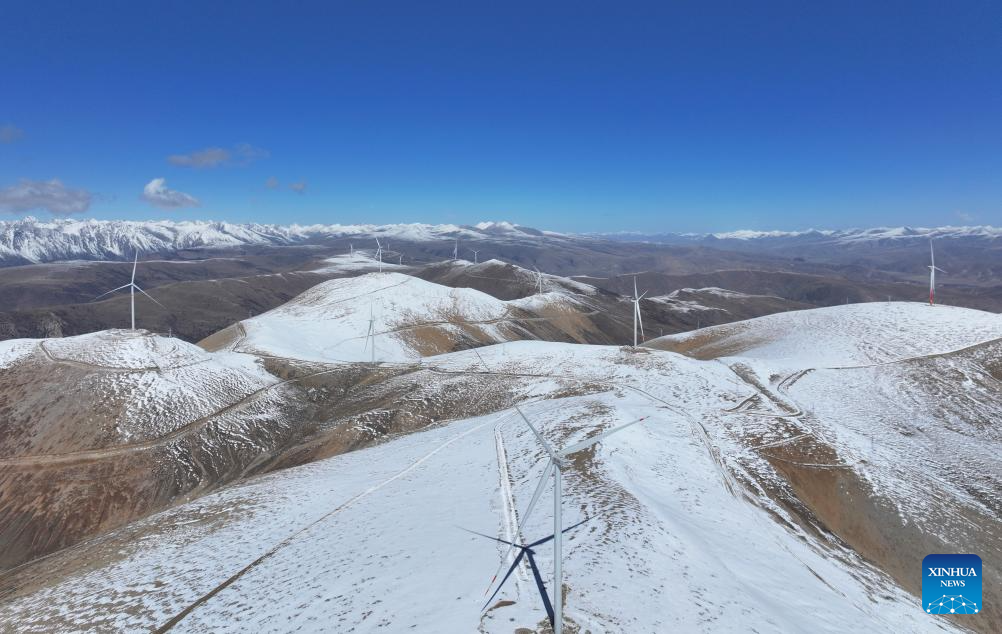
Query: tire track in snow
{"points": [[510, 522]]}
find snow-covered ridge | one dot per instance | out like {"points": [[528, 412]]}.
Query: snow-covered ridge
{"points": [[876, 233], [32, 240], [824, 235]]}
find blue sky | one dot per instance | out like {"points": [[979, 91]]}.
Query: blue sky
{"points": [[584, 116]]}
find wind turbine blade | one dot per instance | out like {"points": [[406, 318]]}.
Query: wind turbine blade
{"points": [[135, 262], [635, 287], [535, 495], [507, 574], [939, 269], [588, 442], [539, 436], [497, 539], [148, 295], [640, 320], [546, 539], [641, 296], [378, 244], [111, 291]]}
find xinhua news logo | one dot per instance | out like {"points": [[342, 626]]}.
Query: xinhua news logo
{"points": [[951, 584]]}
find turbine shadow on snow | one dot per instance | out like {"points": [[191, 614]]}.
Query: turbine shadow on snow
{"points": [[526, 550]]}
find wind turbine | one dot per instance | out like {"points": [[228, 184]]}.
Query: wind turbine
{"points": [[371, 335], [636, 313], [557, 461], [539, 281], [132, 292], [932, 274], [351, 250], [455, 251], [379, 254], [475, 252]]}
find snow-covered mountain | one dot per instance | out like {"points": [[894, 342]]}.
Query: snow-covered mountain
{"points": [[828, 236], [32, 240], [410, 318]]}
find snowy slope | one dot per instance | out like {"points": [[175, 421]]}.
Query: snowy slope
{"points": [[881, 417], [373, 540], [941, 453], [359, 260], [855, 334], [700, 300], [410, 316]]}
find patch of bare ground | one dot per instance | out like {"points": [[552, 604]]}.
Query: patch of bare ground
{"points": [[48, 407], [222, 339], [54, 505], [710, 343], [572, 322]]}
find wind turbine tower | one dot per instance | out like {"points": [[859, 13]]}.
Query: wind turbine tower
{"points": [[379, 254], [132, 292], [932, 274], [455, 251]]}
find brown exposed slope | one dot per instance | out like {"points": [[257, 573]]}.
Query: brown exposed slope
{"points": [[194, 309], [103, 429]]}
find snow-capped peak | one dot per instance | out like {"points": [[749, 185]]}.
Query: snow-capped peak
{"points": [[33, 240]]}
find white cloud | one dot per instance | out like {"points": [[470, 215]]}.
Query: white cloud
{"points": [[52, 196], [271, 183], [10, 133], [242, 154], [156, 193], [963, 215], [299, 187], [209, 157], [245, 154]]}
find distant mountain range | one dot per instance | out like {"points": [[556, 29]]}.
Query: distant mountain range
{"points": [[843, 236], [33, 241]]}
